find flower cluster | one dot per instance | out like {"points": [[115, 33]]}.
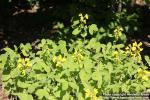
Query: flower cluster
{"points": [[134, 50], [24, 64], [91, 94], [78, 57], [59, 60], [118, 32], [116, 55], [83, 18], [143, 74]]}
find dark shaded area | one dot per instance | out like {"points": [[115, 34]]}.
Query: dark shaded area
{"points": [[21, 23]]}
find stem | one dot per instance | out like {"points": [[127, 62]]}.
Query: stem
{"points": [[120, 6]]}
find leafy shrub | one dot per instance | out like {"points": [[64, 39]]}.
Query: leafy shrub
{"points": [[57, 71]]}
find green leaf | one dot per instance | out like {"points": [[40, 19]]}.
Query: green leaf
{"points": [[32, 87], [66, 96], [14, 73], [62, 46], [11, 53], [23, 96], [73, 85], [42, 93], [84, 34], [3, 59], [57, 93], [23, 84], [88, 65], [76, 22], [93, 28], [6, 77], [64, 84], [41, 65], [84, 76], [76, 31], [25, 48], [102, 30], [147, 60]]}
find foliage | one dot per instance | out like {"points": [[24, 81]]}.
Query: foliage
{"points": [[56, 71], [84, 61]]}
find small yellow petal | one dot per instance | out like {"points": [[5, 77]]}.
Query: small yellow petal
{"points": [[134, 44], [140, 44], [145, 78], [86, 16], [27, 59], [133, 48]]}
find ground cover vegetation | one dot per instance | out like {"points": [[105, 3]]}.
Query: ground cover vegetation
{"points": [[94, 48]]}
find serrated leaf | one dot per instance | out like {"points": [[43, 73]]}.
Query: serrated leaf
{"points": [[93, 28], [76, 31]]}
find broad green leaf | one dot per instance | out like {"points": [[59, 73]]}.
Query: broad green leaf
{"points": [[42, 93], [88, 65], [84, 34], [93, 28], [66, 96], [102, 29], [57, 93], [76, 22], [14, 73], [11, 53], [6, 77], [23, 84], [84, 76], [76, 31], [73, 85], [64, 84], [62, 46], [25, 48], [32, 87], [40, 65], [23, 96]]}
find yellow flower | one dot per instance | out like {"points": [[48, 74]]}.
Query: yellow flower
{"points": [[143, 74], [19, 60], [59, 60], [118, 32], [28, 64], [134, 50], [78, 57], [24, 64], [86, 16], [91, 94], [27, 59], [80, 15], [83, 18]]}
